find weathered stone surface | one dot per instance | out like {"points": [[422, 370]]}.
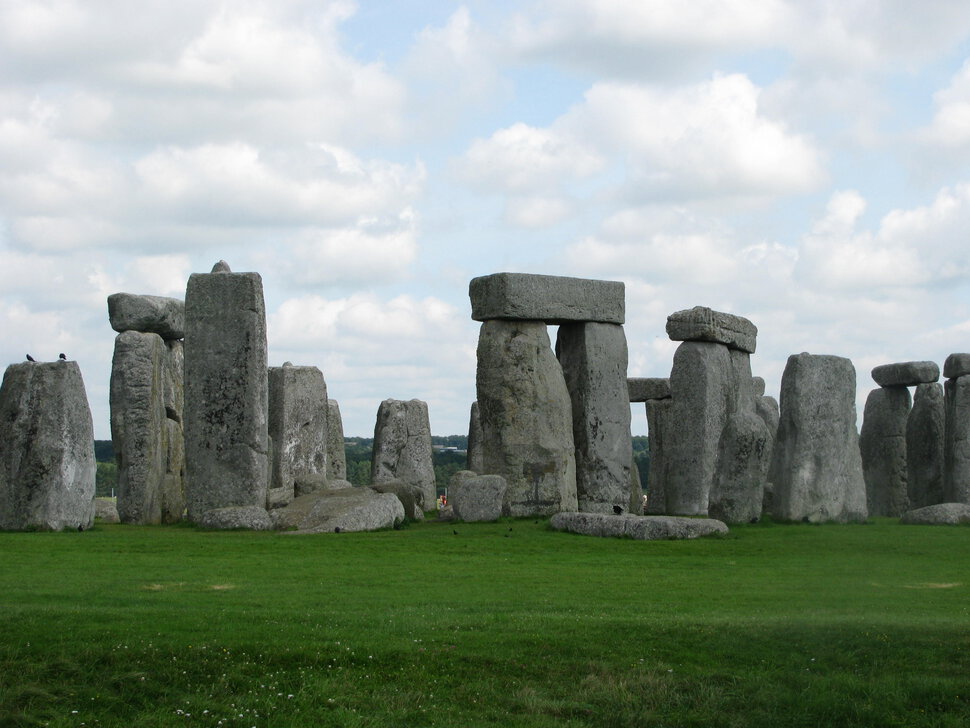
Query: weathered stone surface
{"points": [[925, 438], [409, 495], [636, 486], [956, 365], [816, 465], [253, 518], [758, 385], [526, 418], [552, 299], [703, 324], [475, 457], [593, 357], [336, 452], [105, 510], [298, 413], [767, 409], [479, 498], [641, 528], [906, 374], [312, 482], [147, 314], [47, 466], [337, 511], [882, 444], [226, 400], [956, 454], [402, 447], [642, 389], [658, 425], [940, 514]]}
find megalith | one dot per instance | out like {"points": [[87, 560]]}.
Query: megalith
{"points": [[473, 457], [767, 409], [336, 452], [226, 391], [957, 446], [402, 447], [882, 444], [147, 314], [47, 467], [552, 299], [816, 465], [298, 413], [658, 425], [925, 438]]}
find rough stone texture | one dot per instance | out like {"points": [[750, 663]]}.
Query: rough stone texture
{"points": [[593, 357], [641, 528], [758, 385], [298, 412], [402, 447], [956, 365], [642, 389], [956, 454], [336, 452], [526, 415], [479, 498], [147, 314], [767, 409], [343, 510], [925, 438], [226, 401], [409, 495], [252, 518], [47, 466], [703, 324], [658, 426], [552, 299], [106, 511], [312, 482], [882, 443], [906, 374], [636, 486], [940, 514], [816, 465], [475, 457]]}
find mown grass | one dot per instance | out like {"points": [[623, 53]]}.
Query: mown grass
{"points": [[499, 624]]}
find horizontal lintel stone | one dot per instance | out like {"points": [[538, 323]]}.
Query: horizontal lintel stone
{"points": [[643, 389], [906, 374], [147, 314], [956, 365], [704, 324], [552, 299]]}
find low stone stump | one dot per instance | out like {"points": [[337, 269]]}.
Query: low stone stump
{"points": [[478, 498], [411, 497], [106, 511], [251, 518], [338, 511], [941, 514], [640, 528]]}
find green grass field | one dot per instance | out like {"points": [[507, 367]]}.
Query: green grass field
{"points": [[499, 624]]}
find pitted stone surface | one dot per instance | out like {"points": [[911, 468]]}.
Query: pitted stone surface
{"points": [[882, 444], [336, 452], [956, 365], [642, 389], [147, 314], [758, 384], [479, 498], [906, 374], [704, 324], [640, 528], [552, 299], [298, 413], [925, 438], [658, 427], [252, 518], [941, 514], [402, 447], [105, 510], [956, 457], [340, 511], [475, 457]]}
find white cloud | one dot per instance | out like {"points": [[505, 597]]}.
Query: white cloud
{"points": [[950, 127]]}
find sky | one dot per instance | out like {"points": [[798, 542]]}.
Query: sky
{"points": [[804, 164]]}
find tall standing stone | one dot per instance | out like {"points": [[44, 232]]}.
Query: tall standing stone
{"points": [[526, 415], [402, 447], [767, 408], [47, 467], [474, 457], [658, 425], [925, 438], [816, 466], [336, 453], [957, 450], [298, 426], [226, 401], [882, 443]]}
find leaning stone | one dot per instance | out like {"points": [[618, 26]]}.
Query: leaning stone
{"points": [[339, 511], [703, 324], [941, 514], [641, 528], [474, 457], [105, 510], [479, 498], [906, 374], [47, 468], [925, 438], [956, 457], [816, 466], [298, 412], [526, 418], [251, 518], [956, 365], [552, 299], [882, 444], [642, 389], [409, 495], [658, 426], [336, 451], [402, 447], [147, 314]]}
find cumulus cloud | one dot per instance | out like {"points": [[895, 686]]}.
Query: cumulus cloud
{"points": [[950, 127]]}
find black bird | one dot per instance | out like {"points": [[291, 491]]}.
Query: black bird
{"points": [[62, 356], [454, 532], [336, 529], [30, 358], [80, 527], [617, 510]]}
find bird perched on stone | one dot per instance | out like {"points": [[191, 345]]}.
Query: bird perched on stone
{"points": [[30, 358], [62, 356]]}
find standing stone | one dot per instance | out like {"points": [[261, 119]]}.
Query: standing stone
{"points": [[925, 438], [474, 457], [298, 427], [957, 448], [594, 362], [882, 444], [336, 453], [658, 425], [526, 415], [47, 467], [226, 401], [767, 408], [402, 447], [816, 466]]}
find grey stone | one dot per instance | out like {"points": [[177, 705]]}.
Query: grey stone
{"points": [[758, 385], [956, 454], [956, 365], [816, 465], [641, 528], [312, 482], [906, 374], [226, 399], [593, 357], [479, 498], [410, 496], [767, 409], [940, 514], [882, 443], [106, 511], [636, 486], [475, 457], [221, 267], [642, 389], [402, 447], [526, 418], [925, 438], [147, 314], [336, 451], [298, 413], [47, 467], [658, 426], [552, 299], [703, 324], [340, 511], [252, 518]]}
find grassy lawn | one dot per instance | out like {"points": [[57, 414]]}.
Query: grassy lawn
{"points": [[507, 624]]}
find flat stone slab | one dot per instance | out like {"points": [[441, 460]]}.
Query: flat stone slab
{"points": [[147, 314], [956, 365], [338, 511], [647, 388], [252, 518], [641, 528], [906, 374], [552, 299], [704, 324], [942, 514]]}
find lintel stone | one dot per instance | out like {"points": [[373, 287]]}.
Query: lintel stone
{"points": [[646, 388], [704, 324], [906, 374], [552, 299], [147, 314], [956, 365]]}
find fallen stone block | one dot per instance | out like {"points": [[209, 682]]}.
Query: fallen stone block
{"points": [[479, 498], [906, 374], [410, 496], [147, 314], [552, 299], [338, 511], [251, 518], [704, 324], [941, 514], [640, 528]]}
